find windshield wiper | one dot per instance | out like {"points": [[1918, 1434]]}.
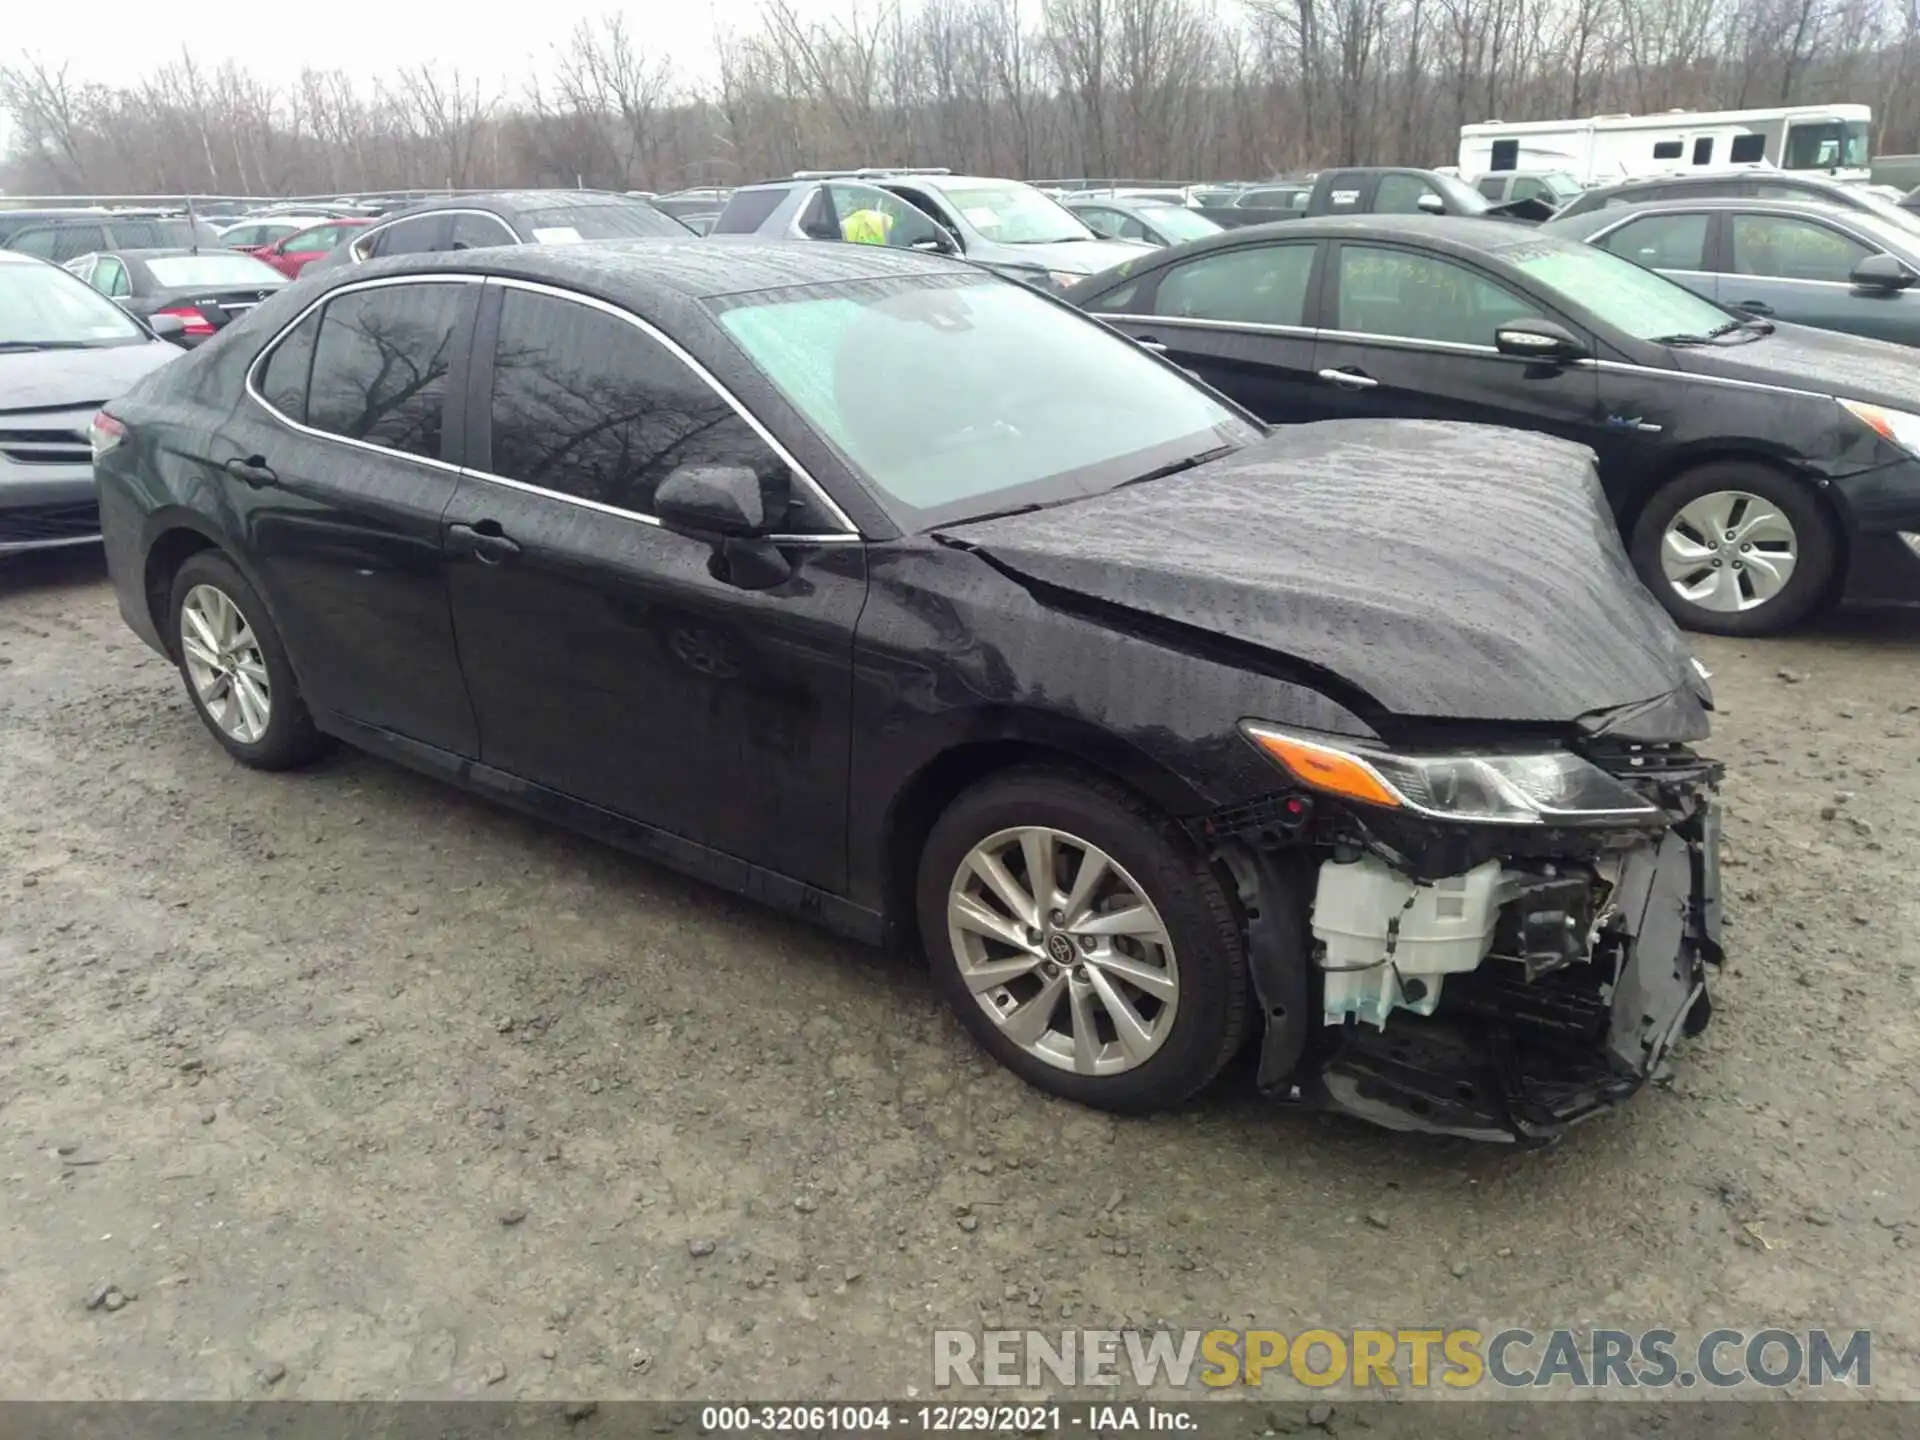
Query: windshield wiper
{"points": [[14, 347], [1161, 472], [1754, 327]]}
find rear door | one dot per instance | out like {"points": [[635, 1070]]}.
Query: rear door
{"points": [[1239, 318], [1410, 334], [339, 468], [605, 658]]}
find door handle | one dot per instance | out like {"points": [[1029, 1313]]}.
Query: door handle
{"points": [[253, 470], [1753, 307], [483, 540], [1349, 379], [1147, 342]]}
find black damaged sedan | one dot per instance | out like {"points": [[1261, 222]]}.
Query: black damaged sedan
{"points": [[875, 588]]}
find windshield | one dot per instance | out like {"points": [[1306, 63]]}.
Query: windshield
{"points": [[564, 224], [1016, 215], [1639, 302], [1178, 221], [959, 395], [41, 307], [181, 271], [1890, 212], [1563, 185], [1828, 145]]}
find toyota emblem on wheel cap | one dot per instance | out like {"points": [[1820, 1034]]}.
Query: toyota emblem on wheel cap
{"points": [[1060, 948]]}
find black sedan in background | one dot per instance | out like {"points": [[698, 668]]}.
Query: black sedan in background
{"points": [[1833, 269], [189, 294], [1757, 470], [1018, 640], [518, 217]]}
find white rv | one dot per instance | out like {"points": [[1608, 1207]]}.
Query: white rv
{"points": [[1832, 139]]}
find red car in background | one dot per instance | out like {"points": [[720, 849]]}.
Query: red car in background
{"points": [[300, 249]]}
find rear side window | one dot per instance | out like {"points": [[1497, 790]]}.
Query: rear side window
{"points": [[1703, 150], [1260, 285], [588, 405], [1493, 186], [1748, 149], [1662, 242], [418, 236], [477, 232], [747, 211], [381, 362], [283, 379]]}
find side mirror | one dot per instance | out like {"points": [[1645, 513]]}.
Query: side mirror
{"points": [[712, 502], [1881, 272], [1431, 203], [727, 507], [167, 327], [941, 242], [1533, 338]]}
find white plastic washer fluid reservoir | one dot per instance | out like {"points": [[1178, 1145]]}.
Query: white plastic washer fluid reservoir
{"points": [[1374, 964]]}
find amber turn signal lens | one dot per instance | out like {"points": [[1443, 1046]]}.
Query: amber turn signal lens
{"points": [[1325, 769]]}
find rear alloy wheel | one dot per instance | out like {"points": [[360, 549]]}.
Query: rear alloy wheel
{"points": [[235, 667], [1082, 941], [1735, 548]]}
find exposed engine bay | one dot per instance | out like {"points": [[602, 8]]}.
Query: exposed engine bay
{"points": [[1474, 982]]}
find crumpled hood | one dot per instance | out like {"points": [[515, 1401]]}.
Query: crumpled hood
{"points": [[1444, 570], [69, 379], [1823, 361], [1083, 257]]}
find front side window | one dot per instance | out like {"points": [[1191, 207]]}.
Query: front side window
{"points": [[1104, 223], [1016, 215], [1259, 285], [1493, 186], [317, 241], [1401, 194], [868, 215], [42, 307], [1421, 297], [590, 405], [1662, 242], [381, 363], [1783, 248], [1748, 149], [958, 395], [1619, 293], [1828, 145]]}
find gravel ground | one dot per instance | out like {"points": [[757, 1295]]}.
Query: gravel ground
{"points": [[357, 1087]]}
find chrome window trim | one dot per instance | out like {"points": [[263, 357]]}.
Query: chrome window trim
{"points": [[1621, 367], [353, 246], [850, 535], [1194, 322], [1409, 342]]}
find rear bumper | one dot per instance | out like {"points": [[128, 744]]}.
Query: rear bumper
{"points": [[45, 507]]}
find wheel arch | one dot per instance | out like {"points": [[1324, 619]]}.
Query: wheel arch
{"points": [[173, 536], [1003, 741], [1694, 457]]}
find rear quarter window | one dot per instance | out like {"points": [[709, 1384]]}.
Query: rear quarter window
{"points": [[747, 211]]}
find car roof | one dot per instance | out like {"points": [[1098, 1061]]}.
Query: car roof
{"points": [[1639, 182], [1460, 232], [513, 202], [638, 273]]}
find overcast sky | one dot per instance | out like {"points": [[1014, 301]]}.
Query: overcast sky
{"points": [[114, 40]]}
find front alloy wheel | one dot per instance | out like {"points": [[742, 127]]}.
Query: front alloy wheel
{"points": [[1063, 950], [1082, 939], [1729, 551]]}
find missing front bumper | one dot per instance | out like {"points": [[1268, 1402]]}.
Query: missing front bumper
{"points": [[1510, 1052]]}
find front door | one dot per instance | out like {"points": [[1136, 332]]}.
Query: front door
{"points": [[1238, 319], [604, 658], [340, 475], [1799, 269], [1411, 335]]}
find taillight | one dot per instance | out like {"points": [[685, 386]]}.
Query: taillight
{"points": [[103, 433], [196, 323]]}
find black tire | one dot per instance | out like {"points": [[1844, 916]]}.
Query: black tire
{"points": [[290, 737], [1817, 544], [1212, 1008]]}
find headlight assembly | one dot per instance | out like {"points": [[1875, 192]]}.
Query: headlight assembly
{"points": [[1896, 427], [1546, 787]]}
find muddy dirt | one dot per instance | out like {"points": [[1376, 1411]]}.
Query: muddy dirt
{"points": [[356, 1087]]}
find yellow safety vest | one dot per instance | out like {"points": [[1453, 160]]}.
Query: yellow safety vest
{"points": [[867, 227]]}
